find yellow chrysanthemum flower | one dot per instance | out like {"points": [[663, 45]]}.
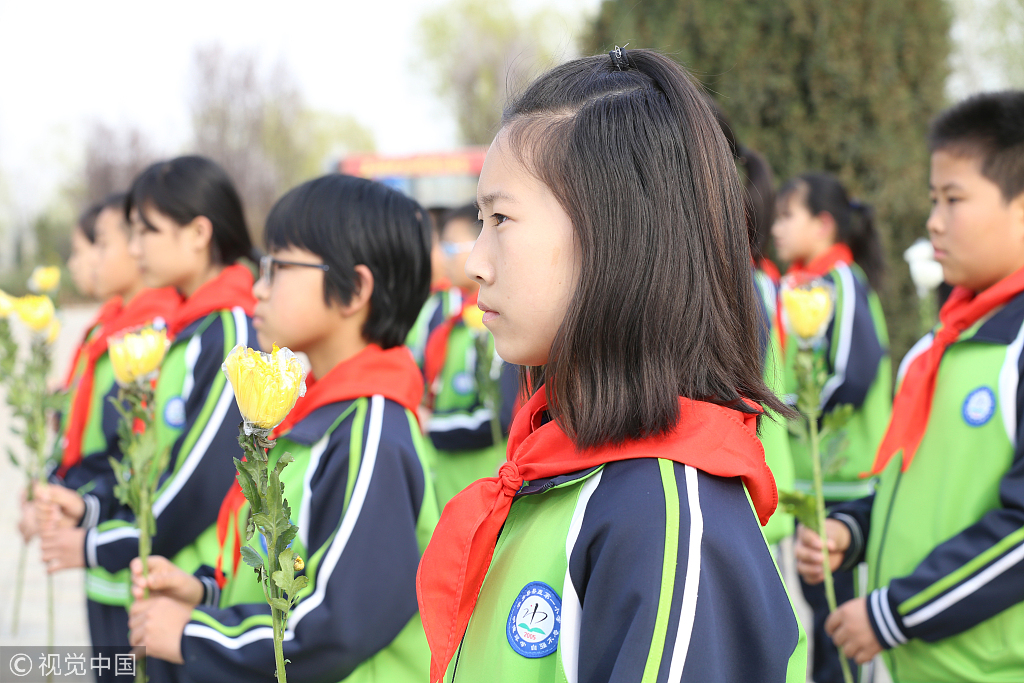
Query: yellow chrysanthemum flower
{"points": [[807, 310], [473, 317], [135, 356], [44, 279], [36, 311], [266, 385]]}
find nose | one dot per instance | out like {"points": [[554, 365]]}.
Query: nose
{"points": [[260, 289], [479, 266], [934, 224], [135, 244]]}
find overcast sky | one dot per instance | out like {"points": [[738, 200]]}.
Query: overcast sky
{"points": [[67, 64]]}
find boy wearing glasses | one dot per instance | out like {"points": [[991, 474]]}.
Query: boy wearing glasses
{"points": [[461, 422], [347, 274]]}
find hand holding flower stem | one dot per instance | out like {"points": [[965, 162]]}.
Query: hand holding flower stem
{"points": [[136, 357], [808, 309], [266, 387]]}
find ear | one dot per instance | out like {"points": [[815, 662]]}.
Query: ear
{"points": [[827, 227], [200, 232], [360, 301]]}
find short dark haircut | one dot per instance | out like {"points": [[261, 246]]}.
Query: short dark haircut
{"points": [[350, 221], [990, 127], [758, 186], [855, 220], [665, 304], [467, 212], [187, 187]]}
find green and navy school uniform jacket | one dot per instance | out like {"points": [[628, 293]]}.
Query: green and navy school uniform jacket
{"points": [[362, 499], [856, 352], [440, 306], [944, 541], [638, 570], [92, 476], [460, 424], [773, 431], [197, 418]]}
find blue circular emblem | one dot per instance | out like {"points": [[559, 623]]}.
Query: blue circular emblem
{"points": [[464, 383], [174, 412], [535, 620], [979, 406]]}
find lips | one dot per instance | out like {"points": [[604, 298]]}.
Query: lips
{"points": [[489, 314]]}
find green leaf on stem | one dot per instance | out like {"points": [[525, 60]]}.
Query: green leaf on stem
{"points": [[251, 557]]}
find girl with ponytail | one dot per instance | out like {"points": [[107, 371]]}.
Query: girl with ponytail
{"points": [[821, 232]]}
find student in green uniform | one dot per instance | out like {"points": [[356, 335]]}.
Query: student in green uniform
{"points": [[621, 539], [759, 207], [347, 272], [460, 422], [188, 233], [944, 534], [822, 233], [83, 480]]}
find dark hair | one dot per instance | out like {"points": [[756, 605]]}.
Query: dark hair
{"points": [[191, 186], [468, 212], [665, 305], [990, 127], [855, 220], [87, 219], [758, 187], [349, 221]]}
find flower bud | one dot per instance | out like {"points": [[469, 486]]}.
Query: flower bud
{"points": [[266, 385], [298, 564], [136, 356], [44, 279]]}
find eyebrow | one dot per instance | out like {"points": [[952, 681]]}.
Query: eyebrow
{"points": [[488, 199], [947, 187]]}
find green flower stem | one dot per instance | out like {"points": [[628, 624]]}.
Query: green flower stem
{"points": [[926, 310], [19, 584], [488, 385], [810, 378], [269, 512]]}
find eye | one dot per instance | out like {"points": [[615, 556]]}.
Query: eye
{"points": [[499, 218]]}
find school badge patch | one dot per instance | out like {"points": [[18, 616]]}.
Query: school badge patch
{"points": [[979, 406], [535, 620], [174, 412]]}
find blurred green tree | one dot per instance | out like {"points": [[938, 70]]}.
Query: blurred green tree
{"points": [[476, 52], [845, 86], [257, 125]]}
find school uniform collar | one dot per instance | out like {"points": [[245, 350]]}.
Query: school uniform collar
{"points": [[313, 427], [1004, 324]]}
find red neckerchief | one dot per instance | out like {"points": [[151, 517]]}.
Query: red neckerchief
{"points": [[837, 254], [147, 305], [717, 440], [437, 343], [442, 285], [108, 311], [392, 374], [913, 404], [232, 287], [770, 269]]}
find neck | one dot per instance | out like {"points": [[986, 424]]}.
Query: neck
{"points": [[131, 293], [818, 251], [198, 279], [334, 349]]}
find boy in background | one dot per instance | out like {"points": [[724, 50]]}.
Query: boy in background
{"points": [[944, 533]]}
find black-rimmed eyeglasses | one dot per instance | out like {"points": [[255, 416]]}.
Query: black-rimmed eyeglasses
{"points": [[269, 263]]}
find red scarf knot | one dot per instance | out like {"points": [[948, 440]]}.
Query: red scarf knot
{"points": [[511, 480]]}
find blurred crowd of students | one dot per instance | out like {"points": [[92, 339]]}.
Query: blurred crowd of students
{"points": [[635, 286]]}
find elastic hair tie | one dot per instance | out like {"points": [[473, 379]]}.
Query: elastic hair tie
{"points": [[619, 58]]}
